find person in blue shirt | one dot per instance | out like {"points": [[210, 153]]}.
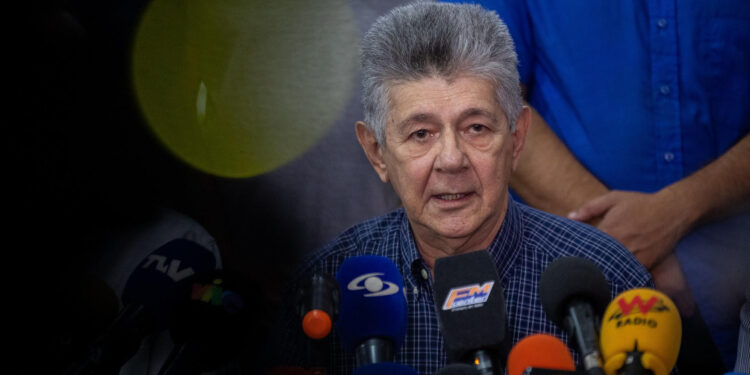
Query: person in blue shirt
{"points": [[445, 125], [641, 128]]}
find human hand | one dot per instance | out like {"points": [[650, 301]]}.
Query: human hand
{"points": [[669, 278], [649, 225]]}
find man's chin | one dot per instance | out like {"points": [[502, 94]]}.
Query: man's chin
{"points": [[455, 232]]}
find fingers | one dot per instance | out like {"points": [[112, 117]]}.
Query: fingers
{"points": [[594, 207]]}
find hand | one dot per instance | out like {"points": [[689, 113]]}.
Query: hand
{"points": [[669, 278], [649, 225]]}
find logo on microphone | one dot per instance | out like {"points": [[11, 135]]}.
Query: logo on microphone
{"points": [[625, 311], [373, 284], [467, 297], [215, 295], [172, 269]]}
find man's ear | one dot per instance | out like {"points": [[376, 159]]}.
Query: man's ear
{"points": [[519, 135], [373, 149]]}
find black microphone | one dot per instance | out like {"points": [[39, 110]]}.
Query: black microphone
{"points": [[574, 294], [208, 328], [151, 292], [471, 310]]}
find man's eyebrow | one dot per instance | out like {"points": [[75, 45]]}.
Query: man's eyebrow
{"points": [[419, 117], [469, 112], [422, 117]]}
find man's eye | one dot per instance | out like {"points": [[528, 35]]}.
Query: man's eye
{"points": [[420, 134], [477, 128]]}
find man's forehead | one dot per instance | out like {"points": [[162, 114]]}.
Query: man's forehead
{"points": [[426, 117], [439, 100], [420, 98]]}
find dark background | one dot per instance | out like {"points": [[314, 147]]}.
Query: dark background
{"points": [[83, 165]]}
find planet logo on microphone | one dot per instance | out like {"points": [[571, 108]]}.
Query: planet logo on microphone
{"points": [[467, 297], [373, 284]]}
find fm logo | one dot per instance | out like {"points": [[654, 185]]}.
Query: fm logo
{"points": [[373, 284], [468, 296], [652, 304], [172, 269]]}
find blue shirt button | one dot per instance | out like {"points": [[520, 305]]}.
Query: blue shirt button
{"points": [[664, 90], [662, 23], [668, 156]]}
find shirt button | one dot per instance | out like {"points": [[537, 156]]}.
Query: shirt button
{"points": [[415, 290], [424, 274], [662, 23], [668, 156], [664, 90]]}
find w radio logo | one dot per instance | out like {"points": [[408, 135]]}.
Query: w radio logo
{"points": [[652, 304]]}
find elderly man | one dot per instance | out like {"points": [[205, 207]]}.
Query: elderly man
{"points": [[445, 125]]}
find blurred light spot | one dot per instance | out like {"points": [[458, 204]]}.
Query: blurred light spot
{"points": [[237, 88], [200, 103]]}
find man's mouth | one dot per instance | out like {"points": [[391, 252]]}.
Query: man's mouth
{"points": [[452, 197]]}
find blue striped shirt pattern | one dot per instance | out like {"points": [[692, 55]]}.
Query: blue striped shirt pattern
{"points": [[526, 243]]}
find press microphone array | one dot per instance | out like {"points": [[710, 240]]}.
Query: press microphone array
{"points": [[149, 298], [641, 333], [372, 314], [574, 294], [471, 311]]}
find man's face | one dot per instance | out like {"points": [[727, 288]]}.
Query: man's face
{"points": [[448, 155]]}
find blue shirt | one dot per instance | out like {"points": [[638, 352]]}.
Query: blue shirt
{"points": [[642, 92], [527, 241]]}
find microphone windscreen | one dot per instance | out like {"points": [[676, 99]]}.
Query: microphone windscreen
{"points": [[385, 368], [539, 351], [459, 369], [163, 276], [318, 303], [373, 303], [470, 304], [642, 320], [572, 277]]}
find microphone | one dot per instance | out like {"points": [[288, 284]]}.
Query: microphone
{"points": [[208, 328], [149, 297], [574, 294], [385, 368], [319, 305], [641, 333], [373, 312], [471, 310], [540, 352], [459, 369]]}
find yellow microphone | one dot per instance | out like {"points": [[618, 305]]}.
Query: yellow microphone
{"points": [[641, 333]]}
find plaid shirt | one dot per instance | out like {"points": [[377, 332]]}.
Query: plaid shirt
{"points": [[527, 241]]}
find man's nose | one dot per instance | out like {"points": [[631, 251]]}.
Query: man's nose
{"points": [[451, 157]]}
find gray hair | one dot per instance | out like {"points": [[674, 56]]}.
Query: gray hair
{"points": [[422, 40]]}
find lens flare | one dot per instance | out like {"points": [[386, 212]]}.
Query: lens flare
{"points": [[238, 88]]}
